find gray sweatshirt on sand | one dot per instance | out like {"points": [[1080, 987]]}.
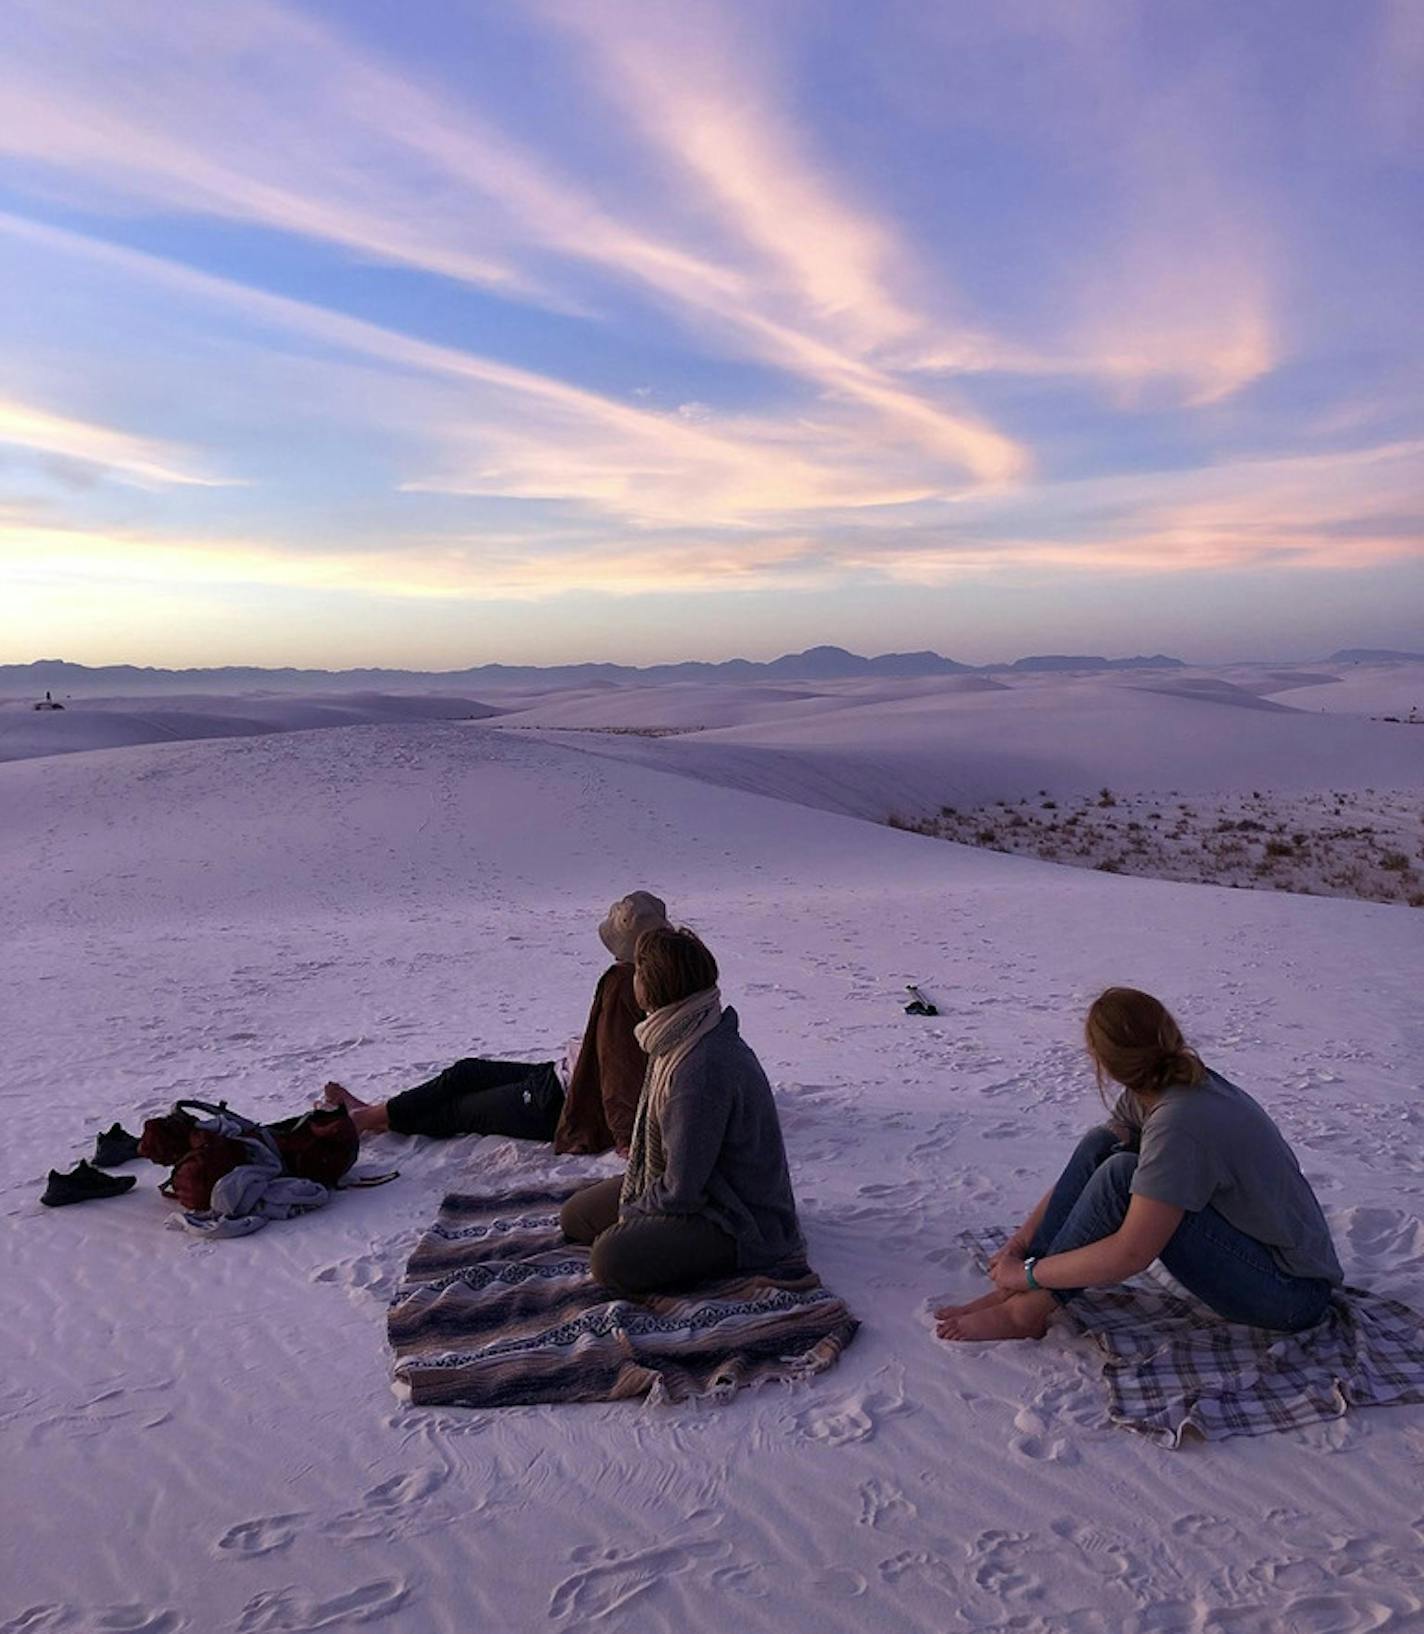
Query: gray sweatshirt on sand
{"points": [[724, 1156]]}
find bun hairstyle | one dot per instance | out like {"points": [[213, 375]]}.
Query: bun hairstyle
{"points": [[672, 965], [1133, 1039]]}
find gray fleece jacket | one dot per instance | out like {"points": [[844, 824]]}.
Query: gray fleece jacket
{"points": [[723, 1153]]}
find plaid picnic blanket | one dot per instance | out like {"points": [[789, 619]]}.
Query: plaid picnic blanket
{"points": [[498, 1309], [1172, 1366]]}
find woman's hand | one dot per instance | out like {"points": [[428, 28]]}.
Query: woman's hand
{"points": [[1009, 1275], [1016, 1249]]}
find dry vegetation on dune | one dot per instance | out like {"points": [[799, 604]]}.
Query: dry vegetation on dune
{"points": [[1367, 844]]}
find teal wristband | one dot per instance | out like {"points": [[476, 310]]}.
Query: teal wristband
{"points": [[1029, 1264]]}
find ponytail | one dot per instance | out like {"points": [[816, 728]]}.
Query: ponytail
{"points": [[1133, 1039]]}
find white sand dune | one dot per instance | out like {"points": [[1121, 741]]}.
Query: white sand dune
{"points": [[201, 1436], [112, 723], [912, 754], [1367, 689]]}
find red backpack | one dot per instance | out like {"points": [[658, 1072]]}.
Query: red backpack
{"points": [[320, 1145]]}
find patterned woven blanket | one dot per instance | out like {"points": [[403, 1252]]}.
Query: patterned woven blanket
{"points": [[497, 1309], [1171, 1366]]}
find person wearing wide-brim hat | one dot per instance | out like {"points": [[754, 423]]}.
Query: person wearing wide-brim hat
{"points": [[530, 1100]]}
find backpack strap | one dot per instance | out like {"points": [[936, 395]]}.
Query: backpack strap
{"points": [[221, 1110]]}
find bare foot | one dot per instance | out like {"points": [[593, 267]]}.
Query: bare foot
{"points": [[334, 1094], [995, 1296], [1020, 1316]]}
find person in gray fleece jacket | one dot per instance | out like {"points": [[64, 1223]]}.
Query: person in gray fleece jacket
{"points": [[707, 1192]]}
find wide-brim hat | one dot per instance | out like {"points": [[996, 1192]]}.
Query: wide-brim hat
{"points": [[627, 919]]}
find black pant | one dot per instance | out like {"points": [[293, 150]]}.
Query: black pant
{"points": [[475, 1097]]}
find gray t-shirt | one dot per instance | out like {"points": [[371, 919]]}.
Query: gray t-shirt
{"points": [[1209, 1145]]}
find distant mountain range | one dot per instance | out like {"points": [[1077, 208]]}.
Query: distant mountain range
{"points": [[815, 664]]}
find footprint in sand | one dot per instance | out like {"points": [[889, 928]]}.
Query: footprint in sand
{"points": [[287, 1611], [71, 1619], [383, 1509], [1208, 1531], [597, 1590], [880, 1502], [854, 1418], [260, 1537]]}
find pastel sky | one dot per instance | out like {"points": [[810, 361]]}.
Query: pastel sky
{"points": [[346, 333]]}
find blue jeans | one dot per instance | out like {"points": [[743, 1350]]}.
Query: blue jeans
{"points": [[1234, 1274]]}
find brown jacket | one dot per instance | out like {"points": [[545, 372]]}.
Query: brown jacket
{"points": [[608, 1076]]}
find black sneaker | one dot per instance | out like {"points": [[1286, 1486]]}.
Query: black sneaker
{"points": [[114, 1148], [82, 1183]]}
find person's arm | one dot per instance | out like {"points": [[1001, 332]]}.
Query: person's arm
{"points": [[1145, 1231], [622, 1067], [1016, 1248], [693, 1123], [578, 1129]]}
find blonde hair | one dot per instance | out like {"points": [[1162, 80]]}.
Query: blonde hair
{"points": [[672, 965], [1133, 1039]]}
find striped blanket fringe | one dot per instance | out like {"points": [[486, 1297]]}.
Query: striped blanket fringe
{"points": [[497, 1309], [1172, 1367]]}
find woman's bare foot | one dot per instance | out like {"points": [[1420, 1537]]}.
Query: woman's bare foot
{"points": [[334, 1094], [1020, 1316], [995, 1296]]}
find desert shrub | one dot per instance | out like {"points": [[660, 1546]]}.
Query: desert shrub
{"points": [[1109, 865], [1050, 805], [1106, 797], [1299, 839], [986, 836], [948, 811], [1394, 862], [1279, 848], [1416, 899], [895, 820]]}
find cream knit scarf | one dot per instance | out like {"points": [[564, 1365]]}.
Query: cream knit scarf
{"points": [[667, 1036]]}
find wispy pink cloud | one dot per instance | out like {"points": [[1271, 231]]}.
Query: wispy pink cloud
{"points": [[144, 461]]}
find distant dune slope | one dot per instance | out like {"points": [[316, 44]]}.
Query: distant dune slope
{"points": [[913, 754], [111, 723]]}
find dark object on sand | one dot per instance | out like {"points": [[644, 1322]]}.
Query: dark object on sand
{"points": [[115, 1147], [919, 1005], [320, 1145], [84, 1183]]}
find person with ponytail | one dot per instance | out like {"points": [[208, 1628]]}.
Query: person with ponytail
{"points": [[707, 1191], [1188, 1170]]}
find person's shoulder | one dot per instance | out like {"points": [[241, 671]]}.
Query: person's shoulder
{"points": [[615, 985], [1191, 1108]]}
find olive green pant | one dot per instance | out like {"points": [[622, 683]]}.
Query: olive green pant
{"points": [[649, 1252]]}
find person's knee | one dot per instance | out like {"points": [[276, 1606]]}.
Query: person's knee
{"points": [[1115, 1172], [615, 1268], [574, 1221], [1099, 1144]]}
